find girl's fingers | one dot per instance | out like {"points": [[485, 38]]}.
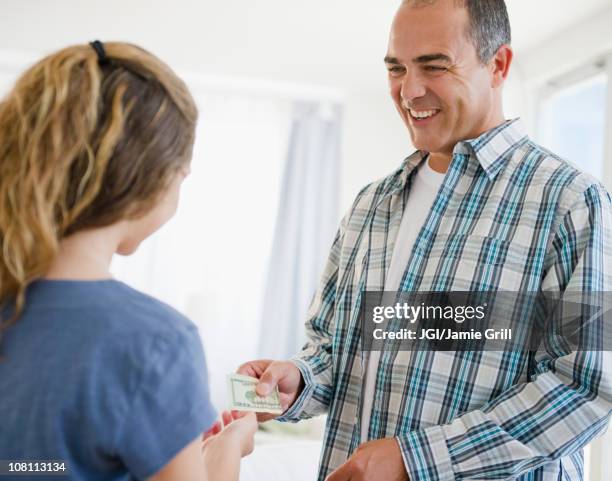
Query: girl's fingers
{"points": [[227, 417], [238, 414], [215, 429]]}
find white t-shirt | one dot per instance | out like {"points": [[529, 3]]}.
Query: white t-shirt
{"points": [[422, 194]]}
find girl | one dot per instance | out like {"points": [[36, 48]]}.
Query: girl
{"points": [[95, 141]]}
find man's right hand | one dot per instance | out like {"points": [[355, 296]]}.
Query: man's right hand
{"points": [[272, 373]]}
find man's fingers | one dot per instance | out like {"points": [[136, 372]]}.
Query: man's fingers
{"points": [[254, 368], [342, 473], [285, 400], [247, 370], [264, 417]]}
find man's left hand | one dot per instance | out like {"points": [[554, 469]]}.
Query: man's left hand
{"points": [[373, 461]]}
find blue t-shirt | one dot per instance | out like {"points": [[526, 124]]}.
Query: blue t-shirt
{"points": [[99, 375]]}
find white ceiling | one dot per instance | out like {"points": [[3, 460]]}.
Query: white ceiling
{"points": [[337, 43]]}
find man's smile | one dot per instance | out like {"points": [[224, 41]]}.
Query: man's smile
{"points": [[422, 116]]}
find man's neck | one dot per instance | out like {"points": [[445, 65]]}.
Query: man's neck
{"points": [[440, 161]]}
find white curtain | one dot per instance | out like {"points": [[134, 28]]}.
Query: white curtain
{"points": [[306, 222]]}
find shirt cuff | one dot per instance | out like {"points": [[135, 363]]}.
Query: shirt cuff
{"points": [[294, 413], [426, 455]]}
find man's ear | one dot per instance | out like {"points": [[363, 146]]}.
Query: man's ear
{"points": [[500, 65]]}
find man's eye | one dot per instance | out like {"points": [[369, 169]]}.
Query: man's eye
{"points": [[396, 70], [434, 68]]}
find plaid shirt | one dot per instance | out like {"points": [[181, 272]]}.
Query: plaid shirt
{"points": [[510, 216]]}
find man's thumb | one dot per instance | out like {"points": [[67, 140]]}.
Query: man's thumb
{"points": [[268, 380]]}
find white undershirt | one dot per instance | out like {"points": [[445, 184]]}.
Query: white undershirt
{"points": [[422, 194]]}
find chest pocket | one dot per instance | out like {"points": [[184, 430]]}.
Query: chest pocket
{"points": [[484, 249], [477, 262]]}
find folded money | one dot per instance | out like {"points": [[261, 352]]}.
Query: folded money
{"points": [[242, 395]]}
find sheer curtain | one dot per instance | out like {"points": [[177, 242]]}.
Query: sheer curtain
{"points": [[306, 222]]}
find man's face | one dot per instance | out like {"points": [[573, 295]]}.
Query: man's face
{"points": [[440, 88]]}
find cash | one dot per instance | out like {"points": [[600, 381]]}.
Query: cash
{"points": [[242, 396]]}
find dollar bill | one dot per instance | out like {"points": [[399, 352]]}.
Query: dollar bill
{"points": [[242, 396]]}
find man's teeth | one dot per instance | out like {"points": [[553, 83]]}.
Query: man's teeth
{"points": [[422, 114]]}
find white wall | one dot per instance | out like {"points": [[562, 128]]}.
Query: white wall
{"points": [[375, 141]]}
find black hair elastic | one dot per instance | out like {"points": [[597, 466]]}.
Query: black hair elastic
{"points": [[99, 48], [120, 63]]}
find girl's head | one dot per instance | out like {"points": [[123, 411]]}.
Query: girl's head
{"points": [[86, 142]]}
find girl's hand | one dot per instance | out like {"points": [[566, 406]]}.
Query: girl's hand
{"points": [[240, 426], [226, 418], [242, 430]]}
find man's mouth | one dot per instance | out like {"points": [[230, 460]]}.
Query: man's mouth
{"points": [[422, 115]]}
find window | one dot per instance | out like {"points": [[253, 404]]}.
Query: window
{"points": [[572, 123]]}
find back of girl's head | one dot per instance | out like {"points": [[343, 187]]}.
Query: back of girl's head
{"points": [[84, 144]]}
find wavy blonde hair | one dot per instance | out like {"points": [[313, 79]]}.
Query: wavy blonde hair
{"points": [[82, 145]]}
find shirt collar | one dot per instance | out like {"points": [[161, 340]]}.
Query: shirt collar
{"points": [[492, 149]]}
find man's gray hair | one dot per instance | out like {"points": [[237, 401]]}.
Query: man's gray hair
{"points": [[489, 24]]}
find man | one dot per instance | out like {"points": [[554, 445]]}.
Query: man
{"points": [[478, 207]]}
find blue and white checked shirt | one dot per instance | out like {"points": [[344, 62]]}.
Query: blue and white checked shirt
{"points": [[510, 216]]}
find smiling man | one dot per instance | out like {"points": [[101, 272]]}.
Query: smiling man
{"points": [[478, 207]]}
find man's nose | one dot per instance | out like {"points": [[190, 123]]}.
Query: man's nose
{"points": [[412, 87]]}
